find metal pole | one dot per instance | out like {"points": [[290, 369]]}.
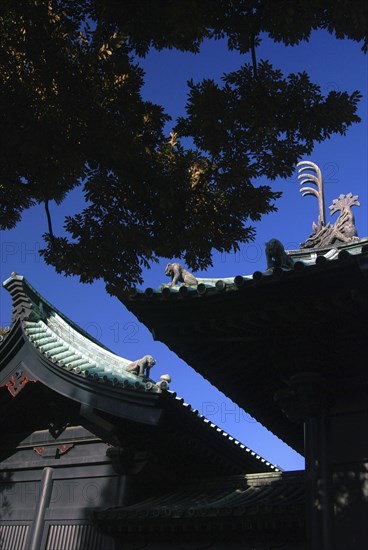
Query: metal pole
{"points": [[36, 532]]}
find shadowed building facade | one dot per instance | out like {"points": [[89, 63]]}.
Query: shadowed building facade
{"points": [[94, 457], [287, 345]]}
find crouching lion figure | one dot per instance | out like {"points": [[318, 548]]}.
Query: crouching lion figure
{"points": [[141, 367], [276, 255], [179, 274]]}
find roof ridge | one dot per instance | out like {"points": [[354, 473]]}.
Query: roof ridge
{"points": [[33, 294], [63, 343], [212, 426], [303, 258]]}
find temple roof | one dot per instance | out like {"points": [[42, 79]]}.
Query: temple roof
{"points": [[213, 285], [249, 334], [65, 344], [254, 501], [44, 351]]}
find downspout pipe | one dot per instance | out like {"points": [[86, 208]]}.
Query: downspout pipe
{"points": [[35, 536]]}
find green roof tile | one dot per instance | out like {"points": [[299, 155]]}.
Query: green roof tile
{"points": [[66, 345]]}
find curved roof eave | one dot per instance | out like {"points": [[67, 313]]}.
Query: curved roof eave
{"points": [[54, 351]]}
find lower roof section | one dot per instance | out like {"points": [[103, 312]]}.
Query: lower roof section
{"points": [[250, 335], [250, 502]]}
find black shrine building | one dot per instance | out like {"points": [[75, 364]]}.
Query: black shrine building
{"points": [[95, 457], [296, 342], [287, 345]]}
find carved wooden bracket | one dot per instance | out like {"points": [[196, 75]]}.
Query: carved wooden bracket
{"points": [[307, 395], [63, 449], [49, 451], [17, 382], [128, 461]]}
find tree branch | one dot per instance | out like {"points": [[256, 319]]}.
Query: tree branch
{"points": [[254, 59], [49, 222]]}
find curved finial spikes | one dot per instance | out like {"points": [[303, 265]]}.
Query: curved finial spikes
{"points": [[308, 177], [308, 191], [307, 163], [303, 166]]}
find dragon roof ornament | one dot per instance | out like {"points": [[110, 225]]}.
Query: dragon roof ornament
{"points": [[325, 234]]}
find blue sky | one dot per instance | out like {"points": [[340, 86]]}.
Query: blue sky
{"points": [[334, 65]]}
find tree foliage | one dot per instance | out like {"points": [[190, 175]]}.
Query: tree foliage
{"points": [[73, 115]]}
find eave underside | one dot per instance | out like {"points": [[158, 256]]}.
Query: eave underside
{"points": [[253, 502], [153, 423], [248, 342]]}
